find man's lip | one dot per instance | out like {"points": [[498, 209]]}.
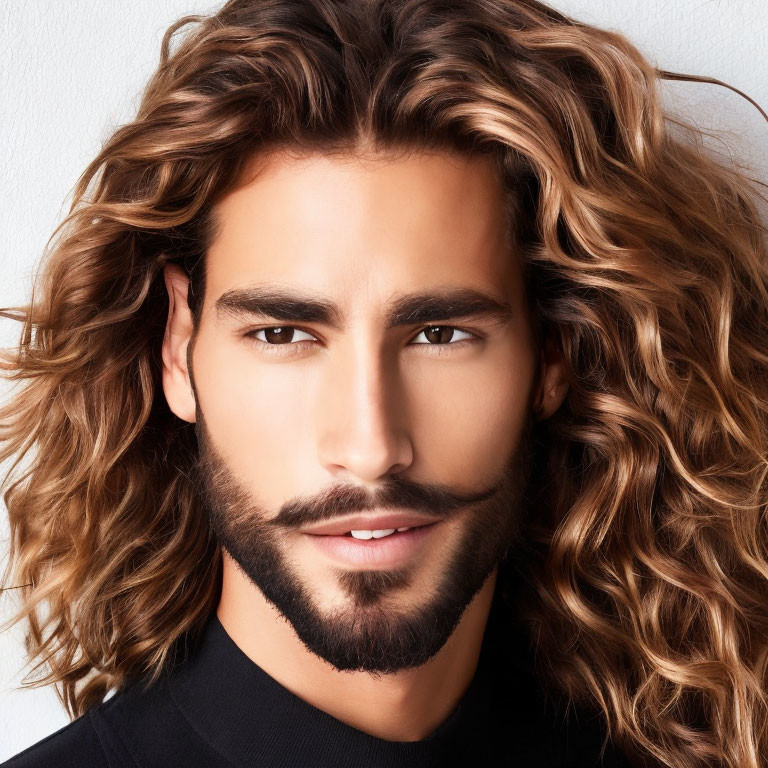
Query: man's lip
{"points": [[341, 526]]}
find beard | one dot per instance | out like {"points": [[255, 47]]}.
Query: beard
{"points": [[371, 632]]}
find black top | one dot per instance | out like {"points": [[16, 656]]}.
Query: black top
{"points": [[219, 709]]}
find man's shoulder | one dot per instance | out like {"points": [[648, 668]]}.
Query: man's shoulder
{"points": [[87, 742], [139, 725], [76, 745]]}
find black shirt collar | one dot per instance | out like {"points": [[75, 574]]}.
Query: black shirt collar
{"points": [[251, 719]]}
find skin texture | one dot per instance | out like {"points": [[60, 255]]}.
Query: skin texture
{"points": [[417, 417]]}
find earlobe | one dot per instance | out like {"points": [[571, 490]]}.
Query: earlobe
{"points": [[179, 329]]}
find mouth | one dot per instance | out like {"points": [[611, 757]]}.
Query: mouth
{"points": [[386, 549], [376, 525]]}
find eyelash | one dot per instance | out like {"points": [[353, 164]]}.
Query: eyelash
{"points": [[288, 347]]}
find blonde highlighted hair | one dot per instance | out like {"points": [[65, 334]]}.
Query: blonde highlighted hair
{"points": [[646, 570]]}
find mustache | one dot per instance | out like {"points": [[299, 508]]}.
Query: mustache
{"points": [[402, 493]]}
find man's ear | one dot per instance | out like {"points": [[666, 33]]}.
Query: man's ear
{"points": [[552, 385], [178, 332]]}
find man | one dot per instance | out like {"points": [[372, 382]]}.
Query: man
{"points": [[380, 387]]}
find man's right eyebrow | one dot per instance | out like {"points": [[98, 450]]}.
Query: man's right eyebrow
{"points": [[419, 308], [278, 304]]}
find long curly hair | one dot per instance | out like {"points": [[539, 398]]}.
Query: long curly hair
{"points": [[645, 570]]}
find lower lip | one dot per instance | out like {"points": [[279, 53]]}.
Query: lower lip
{"points": [[385, 552]]}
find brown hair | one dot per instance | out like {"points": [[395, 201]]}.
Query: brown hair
{"points": [[645, 257]]}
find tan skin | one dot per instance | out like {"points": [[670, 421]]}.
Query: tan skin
{"points": [[357, 403]]}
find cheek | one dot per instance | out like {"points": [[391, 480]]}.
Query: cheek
{"points": [[470, 417], [256, 415]]}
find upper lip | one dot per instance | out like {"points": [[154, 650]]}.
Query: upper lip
{"points": [[340, 526]]}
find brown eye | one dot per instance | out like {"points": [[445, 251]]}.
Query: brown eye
{"points": [[279, 335], [443, 334]]}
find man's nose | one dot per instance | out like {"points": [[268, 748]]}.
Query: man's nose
{"points": [[362, 416]]}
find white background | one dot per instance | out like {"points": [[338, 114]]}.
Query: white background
{"points": [[71, 71]]}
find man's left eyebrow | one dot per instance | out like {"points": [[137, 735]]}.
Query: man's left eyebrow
{"points": [[407, 309]]}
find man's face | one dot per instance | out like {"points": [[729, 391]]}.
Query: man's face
{"points": [[390, 397]]}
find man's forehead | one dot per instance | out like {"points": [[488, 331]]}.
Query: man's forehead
{"points": [[402, 194]]}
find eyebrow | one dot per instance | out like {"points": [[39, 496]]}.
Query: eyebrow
{"points": [[406, 309]]}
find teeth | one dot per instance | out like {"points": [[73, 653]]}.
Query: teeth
{"points": [[403, 529], [373, 534]]}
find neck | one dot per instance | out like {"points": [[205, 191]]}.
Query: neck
{"points": [[405, 706]]}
